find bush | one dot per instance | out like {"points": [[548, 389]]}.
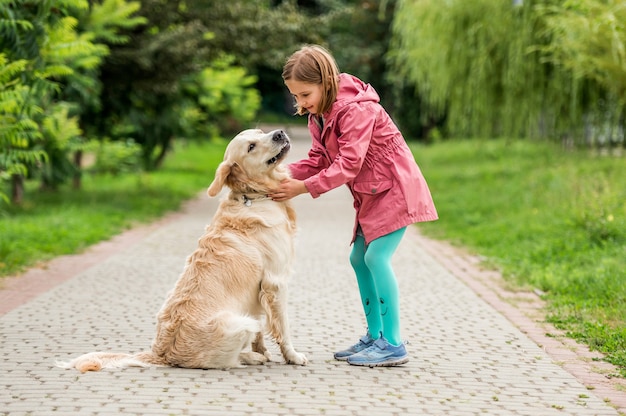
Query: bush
{"points": [[224, 99], [117, 157]]}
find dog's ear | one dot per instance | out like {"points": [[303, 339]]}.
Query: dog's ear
{"points": [[222, 172]]}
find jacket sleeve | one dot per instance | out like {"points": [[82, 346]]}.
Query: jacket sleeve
{"points": [[305, 168], [356, 126]]}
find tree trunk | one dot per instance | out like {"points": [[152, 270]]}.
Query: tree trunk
{"points": [[17, 189], [78, 160], [158, 162]]}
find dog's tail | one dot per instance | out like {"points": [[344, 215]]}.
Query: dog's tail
{"points": [[96, 361]]}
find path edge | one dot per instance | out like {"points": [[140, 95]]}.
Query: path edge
{"points": [[525, 311]]}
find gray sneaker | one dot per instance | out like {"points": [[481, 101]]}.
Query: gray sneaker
{"points": [[365, 342], [380, 354]]}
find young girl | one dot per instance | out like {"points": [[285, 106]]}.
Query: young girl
{"points": [[355, 142]]}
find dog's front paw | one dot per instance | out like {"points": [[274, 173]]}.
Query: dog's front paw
{"points": [[297, 359]]}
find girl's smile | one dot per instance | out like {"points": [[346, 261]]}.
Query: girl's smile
{"points": [[307, 95]]}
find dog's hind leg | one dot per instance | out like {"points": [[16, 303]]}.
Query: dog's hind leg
{"points": [[252, 358], [258, 345], [238, 333]]}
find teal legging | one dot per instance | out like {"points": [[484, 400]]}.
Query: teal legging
{"points": [[377, 284]]}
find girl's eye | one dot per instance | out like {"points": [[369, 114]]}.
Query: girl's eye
{"points": [[251, 146]]}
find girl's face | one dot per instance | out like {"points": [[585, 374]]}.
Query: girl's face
{"points": [[308, 96]]}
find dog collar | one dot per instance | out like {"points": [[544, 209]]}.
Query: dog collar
{"points": [[247, 201]]}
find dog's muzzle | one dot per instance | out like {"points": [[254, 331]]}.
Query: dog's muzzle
{"points": [[281, 139], [280, 136]]}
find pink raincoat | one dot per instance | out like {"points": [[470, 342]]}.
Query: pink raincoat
{"points": [[361, 147]]}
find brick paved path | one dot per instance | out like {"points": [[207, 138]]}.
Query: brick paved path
{"points": [[466, 358]]}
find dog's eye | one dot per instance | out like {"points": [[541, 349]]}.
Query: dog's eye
{"points": [[251, 146]]}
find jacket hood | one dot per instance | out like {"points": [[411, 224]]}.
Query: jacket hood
{"points": [[352, 90]]}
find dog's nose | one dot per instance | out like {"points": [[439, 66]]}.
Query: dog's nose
{"points": [[279, 136]]}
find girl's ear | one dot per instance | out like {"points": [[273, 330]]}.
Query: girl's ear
{"points": [[222, 172]]}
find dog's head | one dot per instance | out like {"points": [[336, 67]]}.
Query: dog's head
{"points": [[252, 162]]}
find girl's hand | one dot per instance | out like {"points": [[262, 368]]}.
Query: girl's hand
{"points": [[288, 189]]}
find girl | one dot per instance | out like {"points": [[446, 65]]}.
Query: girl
{"points": [[355, 142]]}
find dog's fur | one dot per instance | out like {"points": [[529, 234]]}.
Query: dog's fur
{"points": [[236, 276]]}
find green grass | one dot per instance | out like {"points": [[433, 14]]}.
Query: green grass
{"points": [[51, 224], [548, 218]]}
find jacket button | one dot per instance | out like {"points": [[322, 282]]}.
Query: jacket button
{"points": [[373, 190]]}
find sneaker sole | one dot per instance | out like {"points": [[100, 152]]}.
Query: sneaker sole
{"points": [[393, 363]]}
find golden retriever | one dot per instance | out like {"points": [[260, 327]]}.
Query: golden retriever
{"points": [[234, 279]]}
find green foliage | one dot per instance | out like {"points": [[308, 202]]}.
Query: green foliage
{"points": [[60, 57], [61, 135], [589, 39], [117, 157], [356, 31], [457, 56], [493, 69], [21, 28], [143, 100], [257, 33], [18, 130], [64, 55], [358, 34], [154, 81], [549, 219], [106, 20], [228, 91], [226, 95]]}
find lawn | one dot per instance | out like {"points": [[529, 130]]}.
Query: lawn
{"points": [[548, 218]]}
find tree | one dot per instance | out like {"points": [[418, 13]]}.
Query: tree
{"points": [[588, 39], [59, 74], [357, 32], [18, 130], [492, 68], [145, 99], [223, 97], [23, 27]]}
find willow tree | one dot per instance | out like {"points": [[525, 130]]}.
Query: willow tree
{"points": [[492, 67], [588, 38]]}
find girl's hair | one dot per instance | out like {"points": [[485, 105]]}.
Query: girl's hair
{"points": [[314, 65]]}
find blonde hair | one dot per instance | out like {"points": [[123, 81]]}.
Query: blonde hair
{"points": [[314, 65]]}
